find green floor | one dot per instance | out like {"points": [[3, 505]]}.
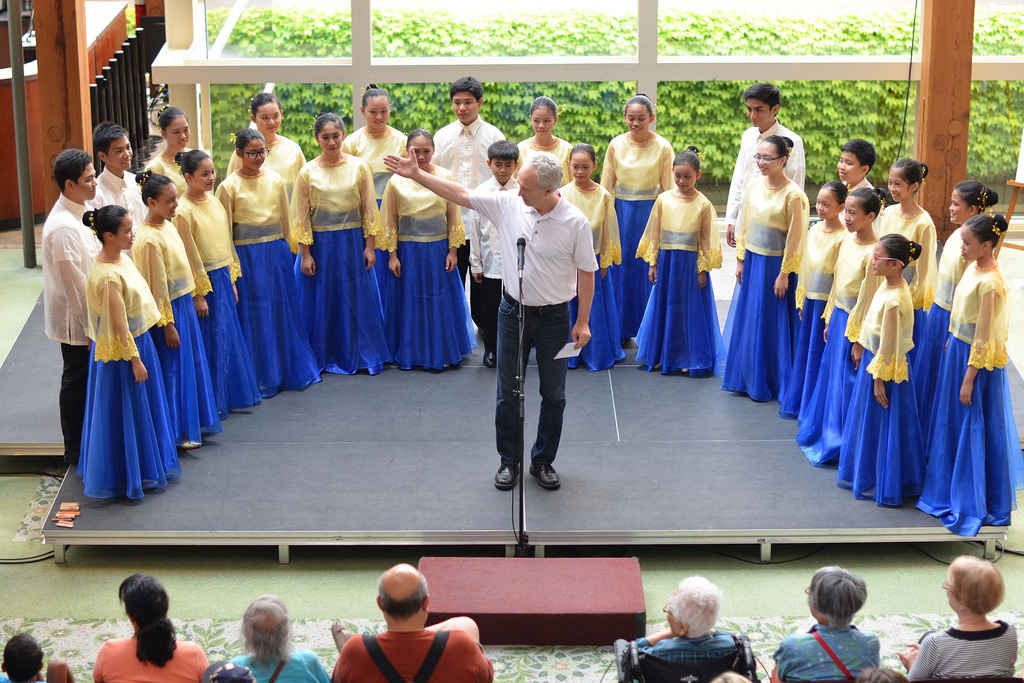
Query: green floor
{"points": [[324, 583]]}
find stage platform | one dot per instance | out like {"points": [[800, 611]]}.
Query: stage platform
{"points": [[407, 458]]}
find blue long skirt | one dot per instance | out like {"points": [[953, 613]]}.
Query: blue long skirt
{"points": [[126, 440], [881, 458], [605, 345], [821, 426], [381, 273], [191, 405], [680, 328], [271, 320], [426, 316], [760, 331], [810, 344], [927, 360], [341, 306], [920, 325], [231, 372], [974, 456], [632, 287]]}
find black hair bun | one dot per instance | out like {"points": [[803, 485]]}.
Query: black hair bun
{"points": [[924, 170], [915, 250], [693, 148]]}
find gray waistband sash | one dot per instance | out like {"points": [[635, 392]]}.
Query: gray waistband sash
{"points": [[175, 286], [242, 232], [909, 271], [944, 291], [380, 181], [767, 239], [627, 192], [422, 229], [962, 330], [682, 239], [871, 343], [322, 218], [135, 325], [819, 283], [596, 234], [846, 302]]}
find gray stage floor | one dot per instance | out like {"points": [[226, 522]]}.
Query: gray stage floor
{"points": [[407, 457]]}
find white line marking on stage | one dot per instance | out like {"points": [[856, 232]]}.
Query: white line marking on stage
{"points": [[615, 414]]}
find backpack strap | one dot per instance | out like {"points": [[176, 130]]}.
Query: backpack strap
{"points": [[432, 658], [839, 662], [378, 657], [277, 671]]}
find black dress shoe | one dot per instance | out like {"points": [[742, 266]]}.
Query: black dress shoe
{"points": [[546, 476], [506, 477], [490, 360]]}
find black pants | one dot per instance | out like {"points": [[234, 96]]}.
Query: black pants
{"points": [[463, 255], [73, 383], [484, 298]]}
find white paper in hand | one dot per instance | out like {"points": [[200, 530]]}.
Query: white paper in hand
{"points": [[568, 351]]}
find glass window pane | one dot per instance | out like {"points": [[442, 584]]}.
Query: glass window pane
{"points": [[279, 28], [527, 28], [994, 135], [998, 25]]}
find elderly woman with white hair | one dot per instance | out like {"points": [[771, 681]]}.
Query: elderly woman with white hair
{"points": [[266, 636], [692, 611], [833, 649]]}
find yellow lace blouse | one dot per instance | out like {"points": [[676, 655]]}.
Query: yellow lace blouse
{"points": [[818, 265], [371, 149], [773, 223], [684, 223], [334, 197], [561, 149], [854, 284], [951, 268], [285, 158], [921, 275], [206, 233], [413, 213], [121, 307], [257, 208], [160, 256], [981, 315], [598, 206], [167, 166], [634, 171], [889, 332]]}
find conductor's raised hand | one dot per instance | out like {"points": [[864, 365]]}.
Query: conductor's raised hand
{"points": [[580, 334], [402, 166]]}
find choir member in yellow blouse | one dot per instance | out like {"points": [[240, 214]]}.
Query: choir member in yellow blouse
{"points": [[974, 457], [814, 283], [336, 224], [126, 442], [760, 332], [284, 156], [853, 286], [268, 305], [205, 231], [598, 205], [637, 168], [543, 117], [370, 143], [159, 254], [680, 326], [175, 131], [907, 218], [881, 458], [969, 199], [426, 317]]}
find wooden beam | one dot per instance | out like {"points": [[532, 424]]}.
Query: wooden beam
{"points": [[65, 112], [944, 103]]}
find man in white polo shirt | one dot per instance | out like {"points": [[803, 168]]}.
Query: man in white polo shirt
{"points": [[559, 254]]}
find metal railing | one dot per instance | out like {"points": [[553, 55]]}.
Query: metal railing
{"points": [[121, 95]]}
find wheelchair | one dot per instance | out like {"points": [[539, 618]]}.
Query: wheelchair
{"points": [[634, 665]]}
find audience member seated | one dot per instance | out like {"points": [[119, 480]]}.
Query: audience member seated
{"points": [[266, 636], [730, 677], [977, 647], [690, 637], [153, 654], [402, 597], [875, 675], [23, 662], [833, 649], [228, 672]]}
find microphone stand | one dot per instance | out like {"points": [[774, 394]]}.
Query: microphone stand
{"points": [[523, 547]]}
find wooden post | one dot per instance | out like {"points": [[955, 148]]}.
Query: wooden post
{"points": [[64, 107], [944, 103]]}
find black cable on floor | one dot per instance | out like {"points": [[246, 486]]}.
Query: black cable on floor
{"points": [[27, 560], [758, 562], [609, 668], [59, 477]]}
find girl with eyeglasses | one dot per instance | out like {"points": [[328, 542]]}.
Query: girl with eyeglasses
{"points": [[881, 458], [760, 331], [853, 287], [284, 154], [974, 455], [268, 305]]}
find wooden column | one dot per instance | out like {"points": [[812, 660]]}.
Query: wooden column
{"points": [[65, 111], [944, 103]]}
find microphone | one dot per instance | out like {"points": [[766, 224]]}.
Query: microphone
{"points": [[521, 248]]}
